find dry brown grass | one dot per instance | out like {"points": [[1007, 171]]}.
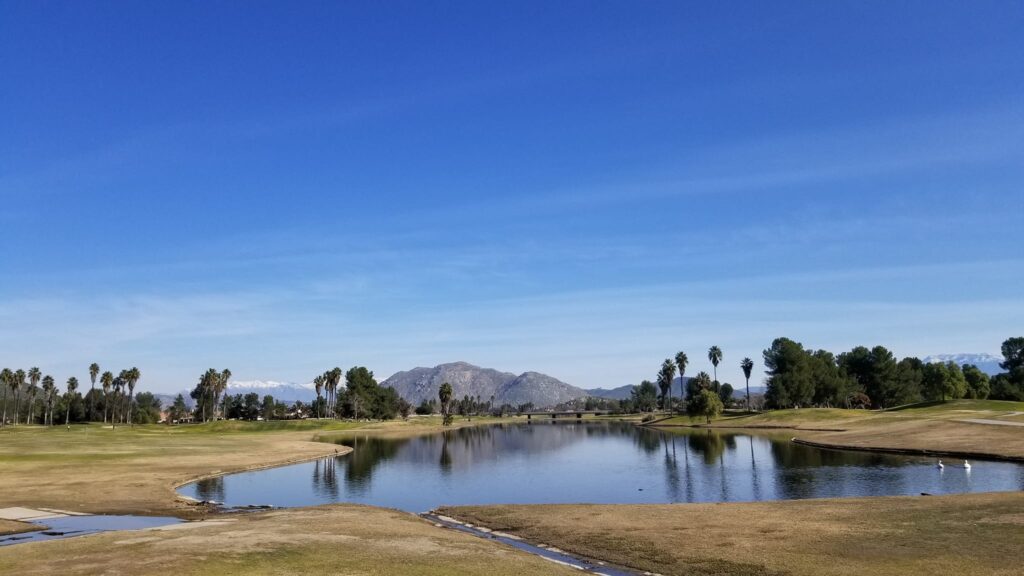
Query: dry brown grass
{"points": [[15, 527], [93, 469], [337, 539], [963, 534]]}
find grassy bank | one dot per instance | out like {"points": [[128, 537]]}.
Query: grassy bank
{"points": [[337, 539], [15, 527], [962, 534], [933, 427]]}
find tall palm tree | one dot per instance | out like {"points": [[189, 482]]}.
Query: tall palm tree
{"points": [[133, 379], [19, 381], [94, 371], [32, 392], [221, 386], [6, 381], [444, 394], [665, 377], [107, 381], [118, 386], [681, 362], [34, 375], [72, 386], [747, 364], [715, 355], [318, 383], [49, 393]]}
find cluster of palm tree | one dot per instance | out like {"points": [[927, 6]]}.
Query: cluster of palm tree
{"points": [[209, 391], [115, 396], [667, 374], [13, 381], [327, 382]]}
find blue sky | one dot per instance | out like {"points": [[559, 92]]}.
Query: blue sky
{"points": [[577, 188]]}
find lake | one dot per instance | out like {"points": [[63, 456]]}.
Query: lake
{"points": [[596, 462]]}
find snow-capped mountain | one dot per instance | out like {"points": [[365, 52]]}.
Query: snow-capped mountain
{"points": [[283, 391], [987, 363]]}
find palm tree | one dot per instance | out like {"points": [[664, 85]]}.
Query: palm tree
{"points": [[715, 355], [94, 370], [32, 392], [106, 380], [72, 386], [34, 375], [133, 379], [665, 377], [318, 382], [444, 394], [747, 364], [19, 381], [335, 380], [6, 381], [49, 392], [221, 386], [681, 362]]}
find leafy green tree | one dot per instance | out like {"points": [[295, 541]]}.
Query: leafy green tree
{"points": [[790, 381], [645, 396], [875, 372], [1013, 354], [832, 387], [725, 392], [977, 382], [148, 408], [941, 381], [907, 389], [445, 396], [715, 356], [682, 362], [178, 410], [72, 387], [706, 404], [748, 366], [665, 377], [267, 410], [1005, 387]]}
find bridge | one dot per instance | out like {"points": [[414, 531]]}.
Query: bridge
{"points": [[565, 414]]}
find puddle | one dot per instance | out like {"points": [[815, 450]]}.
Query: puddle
{"points": [[56, 528]]}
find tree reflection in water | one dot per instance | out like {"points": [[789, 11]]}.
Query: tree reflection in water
{"points": [[210, 489]]}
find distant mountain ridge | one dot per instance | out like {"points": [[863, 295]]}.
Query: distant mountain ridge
{"points": [[987, 363], [283, 391], [421, 384]]}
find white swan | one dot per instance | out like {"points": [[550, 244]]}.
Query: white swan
{"points": [[967, 465], [939, 465]]}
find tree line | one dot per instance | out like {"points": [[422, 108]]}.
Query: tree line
{"points": [[37, 398], [875, 378]]}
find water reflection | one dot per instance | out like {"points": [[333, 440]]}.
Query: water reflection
{"points": [[598, 462]]}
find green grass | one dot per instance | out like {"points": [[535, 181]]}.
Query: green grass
{"points": [[971, 405]]}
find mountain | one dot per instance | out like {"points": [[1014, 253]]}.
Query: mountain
{"points": [[283, 391], [620, 393], [421, 384], [987, 363]]}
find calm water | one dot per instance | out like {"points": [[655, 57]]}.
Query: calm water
{"points": [[594, 463], [70, 526]]}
